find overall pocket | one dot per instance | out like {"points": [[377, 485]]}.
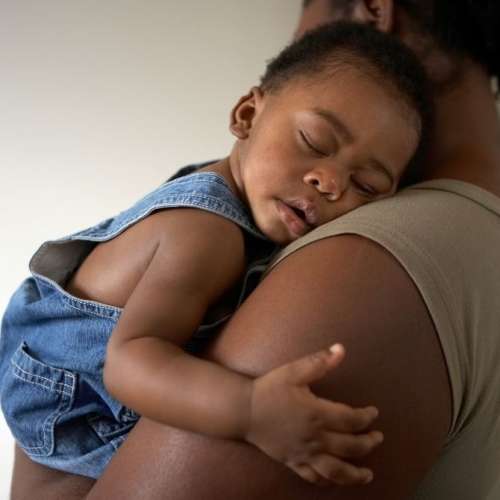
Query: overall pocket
{"points": [[34, 396]]}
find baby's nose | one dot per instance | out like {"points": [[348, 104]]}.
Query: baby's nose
{"points": [[326, 182]]}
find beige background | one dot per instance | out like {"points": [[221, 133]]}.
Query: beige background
{"points": [[101, 101]]}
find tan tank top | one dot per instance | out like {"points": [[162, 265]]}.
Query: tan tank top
{"points": [[446, 234]]}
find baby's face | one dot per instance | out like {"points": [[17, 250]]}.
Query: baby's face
{"points": [[316, 150]]}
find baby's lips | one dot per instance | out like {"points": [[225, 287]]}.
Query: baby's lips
{"points": [[308, 207]]}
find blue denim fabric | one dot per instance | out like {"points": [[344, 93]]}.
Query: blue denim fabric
{"points": [[52, 344]]}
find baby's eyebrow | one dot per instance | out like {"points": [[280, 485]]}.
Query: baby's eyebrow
{"points": [[336, 123]]}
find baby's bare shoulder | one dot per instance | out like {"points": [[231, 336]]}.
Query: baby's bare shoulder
{"points": [[112, 270]]}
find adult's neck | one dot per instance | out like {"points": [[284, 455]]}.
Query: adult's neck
{"points": [[466, 143]]}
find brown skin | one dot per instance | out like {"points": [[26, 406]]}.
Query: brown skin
{"points": [[319, 144], [167, 305], [291, 151], [298, 308], [325, 144], [148, 464]]}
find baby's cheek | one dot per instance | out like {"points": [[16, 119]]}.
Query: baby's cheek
{"points": [[350, 203]]}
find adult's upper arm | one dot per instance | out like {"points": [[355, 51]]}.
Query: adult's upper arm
{"points": [[345, 289]]}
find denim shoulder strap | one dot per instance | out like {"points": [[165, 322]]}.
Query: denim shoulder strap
{"points": [[203, 190]]}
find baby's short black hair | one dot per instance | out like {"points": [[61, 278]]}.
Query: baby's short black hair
{"points": [[324, 51]]}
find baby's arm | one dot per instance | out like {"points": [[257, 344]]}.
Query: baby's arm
{"points": [[199, 257]]}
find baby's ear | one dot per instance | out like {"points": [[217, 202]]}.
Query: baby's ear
{"points": [[245, 112]]}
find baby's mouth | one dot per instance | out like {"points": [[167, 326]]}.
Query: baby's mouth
{"points": [[293, 218], [300, 213], [306, 210]]}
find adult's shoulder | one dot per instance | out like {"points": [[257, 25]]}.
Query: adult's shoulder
{"points": [[351, 290], [442, 232], [445, 235]]}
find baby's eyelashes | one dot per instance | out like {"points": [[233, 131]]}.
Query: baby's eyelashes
{"points": [[364, 188]]}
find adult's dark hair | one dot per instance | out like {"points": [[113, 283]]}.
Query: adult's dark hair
{"points": [[460, 27], [322, 52], [468, 27]]}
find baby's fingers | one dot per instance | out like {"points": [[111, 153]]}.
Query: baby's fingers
{"points": [[312, 367], [342, 418], [307, 473], [340, 472], [350, 445]]}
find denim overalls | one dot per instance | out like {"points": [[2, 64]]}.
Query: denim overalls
{"points": [[52, 344]]}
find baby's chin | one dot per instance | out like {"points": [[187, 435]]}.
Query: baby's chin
{"points": [[285, 238]]}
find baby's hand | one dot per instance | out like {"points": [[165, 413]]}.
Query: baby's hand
{"points": [[311, 435]]}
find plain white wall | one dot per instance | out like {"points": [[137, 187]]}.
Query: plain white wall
{"points": [[102, 101]]}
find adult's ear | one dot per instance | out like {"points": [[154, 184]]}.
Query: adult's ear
{"points": [[244, 113], [378, 13]]}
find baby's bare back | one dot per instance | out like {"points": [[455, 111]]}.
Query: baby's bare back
{"points": [[112, 270]]}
